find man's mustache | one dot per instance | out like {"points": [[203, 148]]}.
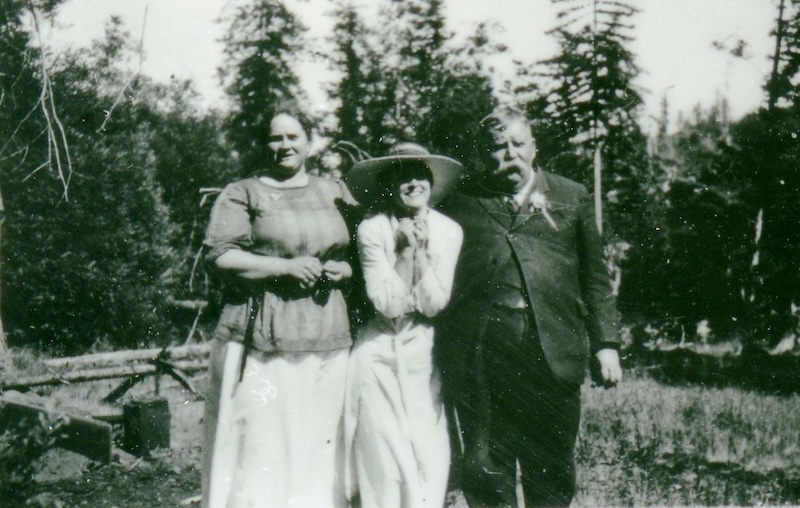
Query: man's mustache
{"points": [[506, 169]]}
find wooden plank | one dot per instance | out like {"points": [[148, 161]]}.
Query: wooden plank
{"points": [[83, 435]]}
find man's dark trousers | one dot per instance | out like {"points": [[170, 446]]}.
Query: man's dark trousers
{"points": [[533, 417], [513, 374]]}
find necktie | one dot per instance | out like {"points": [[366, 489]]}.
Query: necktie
{"points": [[511, 204]]}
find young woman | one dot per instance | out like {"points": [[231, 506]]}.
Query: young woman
{"points": [[279, 360], [397, 439]]}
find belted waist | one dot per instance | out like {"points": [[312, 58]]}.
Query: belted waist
{"points": [[285, 288], [413, 318]]}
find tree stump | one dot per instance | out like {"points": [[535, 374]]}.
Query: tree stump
{"points": [[146, 424]]}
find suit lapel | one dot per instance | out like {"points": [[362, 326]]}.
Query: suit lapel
{"points": [[497, 210]]}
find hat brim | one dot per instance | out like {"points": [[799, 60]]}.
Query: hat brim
{"points": [[365, 185]]}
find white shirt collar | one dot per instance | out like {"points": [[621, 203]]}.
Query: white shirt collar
{"points": [[297, 181]]}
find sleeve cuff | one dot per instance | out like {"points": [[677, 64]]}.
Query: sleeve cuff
{"points": [[606, 345]]}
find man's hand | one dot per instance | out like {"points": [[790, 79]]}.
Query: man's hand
{"points": [[610, 369]]}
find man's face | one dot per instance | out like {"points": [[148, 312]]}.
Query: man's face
{"points": [[510, 155]]}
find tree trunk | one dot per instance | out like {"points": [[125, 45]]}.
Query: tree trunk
{"points": [[4, 357], [772, 86], [598, 186]]}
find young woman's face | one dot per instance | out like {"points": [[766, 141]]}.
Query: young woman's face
{"points": [[412, 191], [288, 145]]}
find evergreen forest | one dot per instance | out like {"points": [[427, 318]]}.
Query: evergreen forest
{"points": [[107, 176]]}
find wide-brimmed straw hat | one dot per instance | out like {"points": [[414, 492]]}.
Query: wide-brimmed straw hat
{"points": [[366, 178]]}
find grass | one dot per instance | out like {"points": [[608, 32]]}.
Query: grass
{"points": [[641, 444], [647, 444]]}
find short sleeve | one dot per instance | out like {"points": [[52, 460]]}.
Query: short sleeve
{"points": [[229, 226], [346, 196]]}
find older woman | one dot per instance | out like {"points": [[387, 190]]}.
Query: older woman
{"points": [[398, 445], [279, 358]]}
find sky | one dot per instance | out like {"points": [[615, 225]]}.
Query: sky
{"points": [[673, 43]]}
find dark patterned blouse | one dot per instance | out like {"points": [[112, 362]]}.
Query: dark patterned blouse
{"points": [[253, 216]]}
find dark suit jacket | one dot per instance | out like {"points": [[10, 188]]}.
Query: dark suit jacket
{"points": [[566, 280]]}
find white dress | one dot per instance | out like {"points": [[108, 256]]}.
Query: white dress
{"points": [[275, 439], [398, 450]]}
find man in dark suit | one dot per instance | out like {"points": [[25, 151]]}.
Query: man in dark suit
{"points": [[532, 303]]}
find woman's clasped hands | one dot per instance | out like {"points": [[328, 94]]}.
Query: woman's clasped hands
{"points": [[412, 233], [309, 270]]}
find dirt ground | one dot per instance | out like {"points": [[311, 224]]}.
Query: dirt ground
{"points": [[165, 478]]}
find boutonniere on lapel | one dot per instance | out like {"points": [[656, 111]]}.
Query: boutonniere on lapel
{"points": [[538, 201]]}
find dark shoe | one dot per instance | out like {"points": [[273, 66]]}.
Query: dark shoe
{"points": [[483, 480]]}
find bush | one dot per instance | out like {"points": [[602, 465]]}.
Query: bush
{"points": [[22, 444]]}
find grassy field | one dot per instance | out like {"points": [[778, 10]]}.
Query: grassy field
{"points": [[647, 444], [642, 444]]}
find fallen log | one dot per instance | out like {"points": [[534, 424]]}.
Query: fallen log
{"points": [[85, 375], [81, 434], [190, 304], [101, 360]]}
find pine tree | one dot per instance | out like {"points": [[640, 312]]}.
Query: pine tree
{"points": [[351, 90], [262, 41], [591, 105], [464, 96], [592, 101], [419, 36], [405, 64], [587, 114], [782, 84], [412, 85]]}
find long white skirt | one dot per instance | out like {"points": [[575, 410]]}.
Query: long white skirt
{"points": [[397, 440], [275, 439]]}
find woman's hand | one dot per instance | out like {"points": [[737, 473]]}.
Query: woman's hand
{"points": [[421, 231], [406, 236], [306, 269], [412, 233], [335, 271]]}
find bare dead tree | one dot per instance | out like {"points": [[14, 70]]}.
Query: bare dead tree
{"points": [[58, 157], [3, 346]]}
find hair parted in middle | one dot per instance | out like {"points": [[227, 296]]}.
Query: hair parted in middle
{"points": [[289, 106]]}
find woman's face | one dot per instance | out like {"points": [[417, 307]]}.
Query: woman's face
{"points": [[411, 194], [288, 145]]}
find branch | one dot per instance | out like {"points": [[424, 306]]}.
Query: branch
{"points": [[19, 126], [126, 86], [55, 129], [355, 153]]}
